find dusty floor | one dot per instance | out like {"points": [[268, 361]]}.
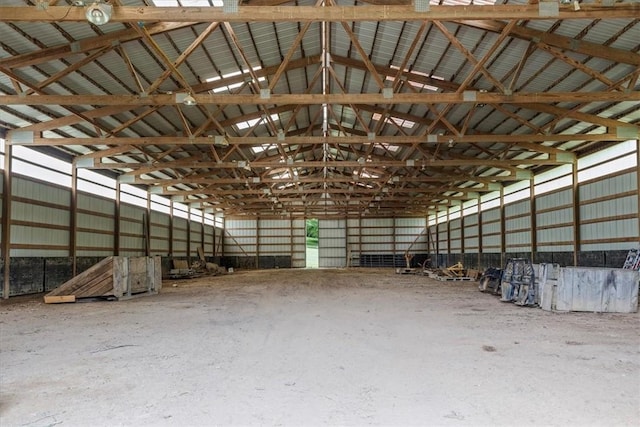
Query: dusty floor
{"points": [[309, 347]]}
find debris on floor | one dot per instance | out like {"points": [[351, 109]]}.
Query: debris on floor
{"points": [[198, 268], [456, 273]]}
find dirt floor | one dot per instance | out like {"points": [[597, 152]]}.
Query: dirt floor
{"points": [[310, 347]]}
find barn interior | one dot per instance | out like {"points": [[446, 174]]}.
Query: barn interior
{"points": [[310, 152]]}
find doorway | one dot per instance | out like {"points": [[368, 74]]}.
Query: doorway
{"points": [[312, 242]]}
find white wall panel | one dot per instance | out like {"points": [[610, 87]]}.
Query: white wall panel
{"points": [[299, 256], [517, 208], [21, 211], [241, 238], [179, 237], [608, 186], [609, 208], [95, 244], [99, 223], [491, 215], [208, 240], [21, 187], [607, 230], [550, 218], [95, 204], [554, 199], [332, 243], [471, 230]]}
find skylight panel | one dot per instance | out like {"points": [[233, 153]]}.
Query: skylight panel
{"points": [[398, 121], [250, 123]]}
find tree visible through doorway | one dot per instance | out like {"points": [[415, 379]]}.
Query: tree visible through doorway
{"points": [[312, 243]]}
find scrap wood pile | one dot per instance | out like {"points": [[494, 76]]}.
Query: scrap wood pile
{"points": [[198, 268], [456, 272]]}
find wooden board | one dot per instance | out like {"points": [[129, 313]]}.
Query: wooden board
{"points": [[55, 299], [119, 277]]}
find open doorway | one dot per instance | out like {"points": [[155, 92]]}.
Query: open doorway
{"points": [[312, 242]]}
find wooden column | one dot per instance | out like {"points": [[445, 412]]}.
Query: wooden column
{"points": [[116, 222], [147, 227], [480, 249], [462, 252], [503, 231], [576, 213], [73, 220], [171, 228], [638, 178], [189, 235], [258, 241], [448, 236], [395, 248], [291, 239], [534, 220], [347, 253], [6, 219]]}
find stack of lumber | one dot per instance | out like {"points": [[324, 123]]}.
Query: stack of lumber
{"points": [[116, 277]]}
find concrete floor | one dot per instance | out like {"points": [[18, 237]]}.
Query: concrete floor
{"points": [[315, 347]]}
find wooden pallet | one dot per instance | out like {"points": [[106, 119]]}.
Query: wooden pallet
{"points": [[453, 279], [115, 277]]}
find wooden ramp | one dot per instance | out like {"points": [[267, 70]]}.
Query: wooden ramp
{"points": [[117, 277]]}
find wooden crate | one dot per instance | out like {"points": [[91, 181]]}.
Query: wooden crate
{"points": [[117, 277]]}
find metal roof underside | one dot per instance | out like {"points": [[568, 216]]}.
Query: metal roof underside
{"points": [[321, 108]]}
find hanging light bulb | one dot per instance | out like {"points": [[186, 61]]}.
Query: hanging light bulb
{"points": [[99, 13], [189, 100]]}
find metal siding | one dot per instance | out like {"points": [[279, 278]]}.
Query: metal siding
{"points": [[492, 214], [517, 208], [195, 238], [299, 250], [179, 237], [240, 237], [274, 237], [551, 200], [607, 230], [41, 192], [332, 247]]}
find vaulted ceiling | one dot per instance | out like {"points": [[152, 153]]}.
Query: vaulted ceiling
{"points": [[313, 108]]}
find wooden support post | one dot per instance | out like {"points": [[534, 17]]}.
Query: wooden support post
{"points": [[189, 235], [534, 221], [480, 248], [462, 251], [503, 231], [638, 179], [202, 234], [291, 240], [6, 219], [116, 222], [448, 235], [171, 228], [258, 241], [147, 227], [576, 213], [395, 249], [73, 220]]}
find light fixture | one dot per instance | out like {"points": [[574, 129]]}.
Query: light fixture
{"points": [[98, 13], [189, 100], [450, 143]]}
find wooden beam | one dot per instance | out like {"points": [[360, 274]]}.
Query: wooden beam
{"points": [[136, 14], [85, 45], [530, 142], [319, 99], [565, 43]]}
